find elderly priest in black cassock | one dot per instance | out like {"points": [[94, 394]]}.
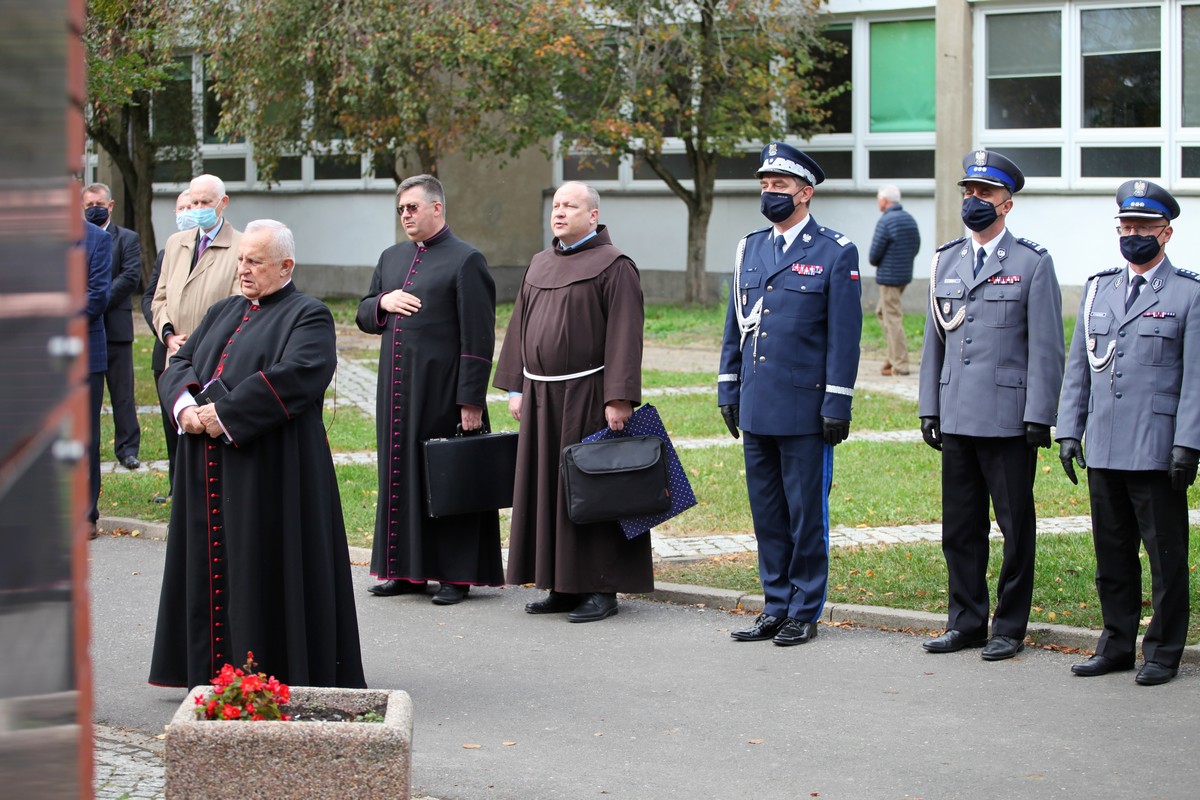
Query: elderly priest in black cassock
{"points": [[256, 557]]}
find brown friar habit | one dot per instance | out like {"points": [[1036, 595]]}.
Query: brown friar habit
{"points": [[257, 556], [577, 310], [430, 364]]}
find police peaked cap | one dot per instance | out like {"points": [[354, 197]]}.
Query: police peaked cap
{"points": [[783, 159], [987, 166], [1140, 198]]}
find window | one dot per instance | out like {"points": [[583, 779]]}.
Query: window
{"points": [[1122, 68], [1024, 70], [903, 89], [1191, 66], [185, 117]]}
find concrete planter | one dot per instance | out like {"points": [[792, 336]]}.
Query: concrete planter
{"points": [[219, 760]]}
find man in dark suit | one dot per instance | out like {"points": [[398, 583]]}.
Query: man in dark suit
{"points": [[1132, 393], [118, 322], [991, 370], [788, 363], [98, 257]]}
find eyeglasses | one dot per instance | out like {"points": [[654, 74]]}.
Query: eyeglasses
{"points": [[411, 208], [1140, 230]]}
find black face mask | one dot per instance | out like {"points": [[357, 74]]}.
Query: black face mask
{"points": [[97, 215], [1140, 249], [978, 215], [777, 206]]}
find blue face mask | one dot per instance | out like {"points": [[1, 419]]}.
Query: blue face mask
{"points": [[205, 217], [184, 220], [97, 215], [777, 206], [1140, 249], [978, 215]]}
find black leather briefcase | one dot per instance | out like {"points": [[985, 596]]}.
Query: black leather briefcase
{"points": [[615, 478], [466, 474]]}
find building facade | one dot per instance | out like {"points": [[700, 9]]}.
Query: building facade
{"points": [[1082, 94]]}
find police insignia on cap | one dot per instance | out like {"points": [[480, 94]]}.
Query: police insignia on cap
{"points": [[1139, 189], [981, 158], [772, 149]]}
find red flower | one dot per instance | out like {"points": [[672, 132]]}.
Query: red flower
{"points": [[243, 694], [232, 712]]}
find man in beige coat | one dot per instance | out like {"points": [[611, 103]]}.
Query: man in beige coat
{"points": [[199, 267]]}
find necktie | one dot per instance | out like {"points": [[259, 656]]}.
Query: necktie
{"points": [[979, 258], [203, 246], [779, 249], [1135, 289]]}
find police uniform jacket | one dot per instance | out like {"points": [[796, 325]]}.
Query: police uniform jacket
{"points": [[1146, 397], [1002, 364], [799, 362]]}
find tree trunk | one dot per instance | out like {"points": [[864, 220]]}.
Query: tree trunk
{"points": [[696, 280], [139, 182]]}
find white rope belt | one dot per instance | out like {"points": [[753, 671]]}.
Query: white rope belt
{"points": [[571, 377]]}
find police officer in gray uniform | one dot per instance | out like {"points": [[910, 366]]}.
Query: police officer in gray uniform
{"points": [[991, 371], [1132, 393], [788, 363]]}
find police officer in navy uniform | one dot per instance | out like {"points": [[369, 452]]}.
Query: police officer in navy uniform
{"points": [[991, 371], [788, 363], [1132, 394]]}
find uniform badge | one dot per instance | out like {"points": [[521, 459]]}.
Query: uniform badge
{"points": [[1157, 283], [1092, 344], [745, 298], [1001, 253], [1139, 188], [807, 237], [963, 254], [952, 280], [1005, 280], [808, 269], [946, 307], [771, 150], [1159, 314], [981, 158]]}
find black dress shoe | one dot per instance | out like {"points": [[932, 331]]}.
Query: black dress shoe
{"points": [[952, 641], [450, 593], [159, 498], [390, 588], [795, 632], [1153, 673], [94, 532], [1002, 647], [554, 603], [764, 628], [1101, 665], [595, 607], [130, 462]]}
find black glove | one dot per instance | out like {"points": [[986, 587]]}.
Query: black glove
{"points": [[1182, 468], [1069, 449], [835, 430], [1037, 435], [931, 432], [730, 414]]}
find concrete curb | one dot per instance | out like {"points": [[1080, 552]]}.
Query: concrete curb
{"points": [[1039, 634]]}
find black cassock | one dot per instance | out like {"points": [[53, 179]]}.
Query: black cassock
{"points": [[256, 555], [430, 364]]}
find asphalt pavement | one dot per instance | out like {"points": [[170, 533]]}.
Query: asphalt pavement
{"points": [[659, 703]]}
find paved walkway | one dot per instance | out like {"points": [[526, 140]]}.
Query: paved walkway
{"points": [[128, 764]]}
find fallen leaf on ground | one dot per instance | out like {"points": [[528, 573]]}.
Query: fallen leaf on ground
{"points": [[472, 746], [508, 744], [754, 741]]}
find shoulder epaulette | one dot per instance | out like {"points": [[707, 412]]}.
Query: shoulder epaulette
{"points": [[1104, 272], [757, 231], [952, 243], [1187, 273], [840, 238], [1032, 245]]}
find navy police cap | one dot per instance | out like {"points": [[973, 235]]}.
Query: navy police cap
{"points": [[986, 166], [1139, 198], [783, 159]]}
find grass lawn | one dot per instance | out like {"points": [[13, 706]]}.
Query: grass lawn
{"points": [[913, 576]]}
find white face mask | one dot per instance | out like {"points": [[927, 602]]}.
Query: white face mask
{"points": [[184, 221]]}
